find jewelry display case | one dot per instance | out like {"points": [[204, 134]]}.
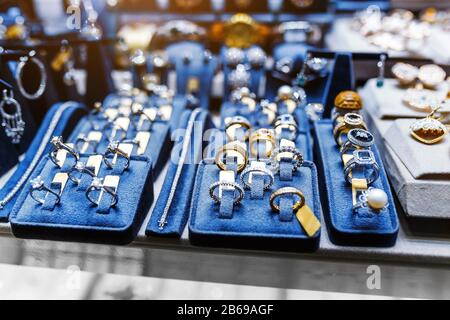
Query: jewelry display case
{"points": [[271, 132]]}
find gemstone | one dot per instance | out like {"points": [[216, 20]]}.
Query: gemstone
{"points": [[37, 182], [377, 199]]}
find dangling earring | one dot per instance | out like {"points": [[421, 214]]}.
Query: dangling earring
{"points": [[13, 123]]}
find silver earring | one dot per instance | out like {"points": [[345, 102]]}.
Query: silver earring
{"points": [[12, 122]]}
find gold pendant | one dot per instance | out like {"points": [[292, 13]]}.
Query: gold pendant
{"points": [[429, 130]]}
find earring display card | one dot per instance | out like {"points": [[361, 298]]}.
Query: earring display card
{"points": [[60, 119], [346, 227], [253, 224], [171, 212], [74, 218], [387, 102]]}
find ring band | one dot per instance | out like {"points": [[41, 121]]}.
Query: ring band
{"points": [[218, 199], [81, 168], [82, 139], [113, 149], [287, 191], [265, 172], [228, 148], [262, 135], [297, 159], [58, 144], [242, 123], [37, 185], [97, 185], [349, 122]]}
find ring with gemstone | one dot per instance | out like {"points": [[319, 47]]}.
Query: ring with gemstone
{"points": [[98, 186], [75, 175], [263, 171], [233, 185], [349, 122], [363, 159], [357, 139], [114, 150], [39, 191], [58, 144]]}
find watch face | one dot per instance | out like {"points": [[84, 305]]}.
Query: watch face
{"points": [[188, 4], [302, 3]]}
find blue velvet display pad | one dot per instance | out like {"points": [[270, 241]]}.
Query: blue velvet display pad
{"points": [[198, 67], [158, 148], [76, 219], [363, 228], [177, 205], [59, 121], [179, 105], [254, 225]]}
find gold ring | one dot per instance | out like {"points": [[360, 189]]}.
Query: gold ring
{"points": [[231, 147], [236, 123], [349, 122], [287, 191], [265, 135]]}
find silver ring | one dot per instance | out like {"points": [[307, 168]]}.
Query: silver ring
{"points": [[19, 74], [38, 186], [96, 186], [297, 159], [264, 171], [81, 169], [234, 185], [365, 159], [357, 139], [113, 149], [58, 144], [256, 57], [234, 57]]}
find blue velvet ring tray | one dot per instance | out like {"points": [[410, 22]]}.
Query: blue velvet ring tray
{"points": [[158, 148], [76, 219], [59, 121], [253, 225], [175, 197], [364, 228]]}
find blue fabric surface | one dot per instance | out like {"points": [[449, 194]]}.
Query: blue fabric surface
{"points": [[341, 78], [75, 219], [347, 228], [254, 225], [198, 68], [179, 208], [70, 114]]}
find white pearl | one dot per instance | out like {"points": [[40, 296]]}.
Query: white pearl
{"points": [[377, 199], [285, 92]]}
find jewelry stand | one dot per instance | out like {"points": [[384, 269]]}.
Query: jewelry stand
{"points": [[419, 173]]}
